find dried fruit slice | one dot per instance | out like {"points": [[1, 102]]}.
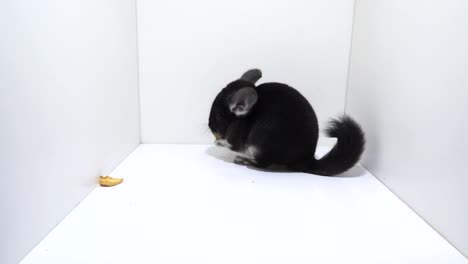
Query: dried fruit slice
{"points": [[109, 181]]}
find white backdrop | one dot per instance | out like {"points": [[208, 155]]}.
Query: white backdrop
{"points": [[409, 89], [68, 109], [69, 98], [189, 50]]}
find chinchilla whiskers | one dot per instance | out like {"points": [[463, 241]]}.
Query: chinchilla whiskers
{"points": [[206, 128]]}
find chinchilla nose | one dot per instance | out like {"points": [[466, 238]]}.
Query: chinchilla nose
{"points": [[217, 135]]}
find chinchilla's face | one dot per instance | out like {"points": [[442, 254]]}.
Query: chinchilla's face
{"points": [[233, 102], [220, 115], [220, 118]]}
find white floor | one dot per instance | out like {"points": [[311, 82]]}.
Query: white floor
{"points": [[185, 204]]}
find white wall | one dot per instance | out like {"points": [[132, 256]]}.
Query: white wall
{"points": [[189, 50], [409, 88], [68, 109]]}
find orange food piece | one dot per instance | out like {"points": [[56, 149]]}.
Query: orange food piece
{"points": [[108, 181]]}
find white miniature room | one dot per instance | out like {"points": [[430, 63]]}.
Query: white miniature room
{"points": [[109, 153]]}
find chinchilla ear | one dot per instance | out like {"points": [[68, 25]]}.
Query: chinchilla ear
{"points": [[242, 101], [252, 76]]}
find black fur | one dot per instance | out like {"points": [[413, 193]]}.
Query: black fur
{"points": [[278, 122]]}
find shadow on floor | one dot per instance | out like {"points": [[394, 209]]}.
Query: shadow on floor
{"points": [[227, 155]]}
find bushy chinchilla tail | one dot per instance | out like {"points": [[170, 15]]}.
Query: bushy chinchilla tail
{"points": [[346, 152]]}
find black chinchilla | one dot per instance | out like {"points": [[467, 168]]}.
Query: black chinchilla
{"points": [[273, 124]]}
